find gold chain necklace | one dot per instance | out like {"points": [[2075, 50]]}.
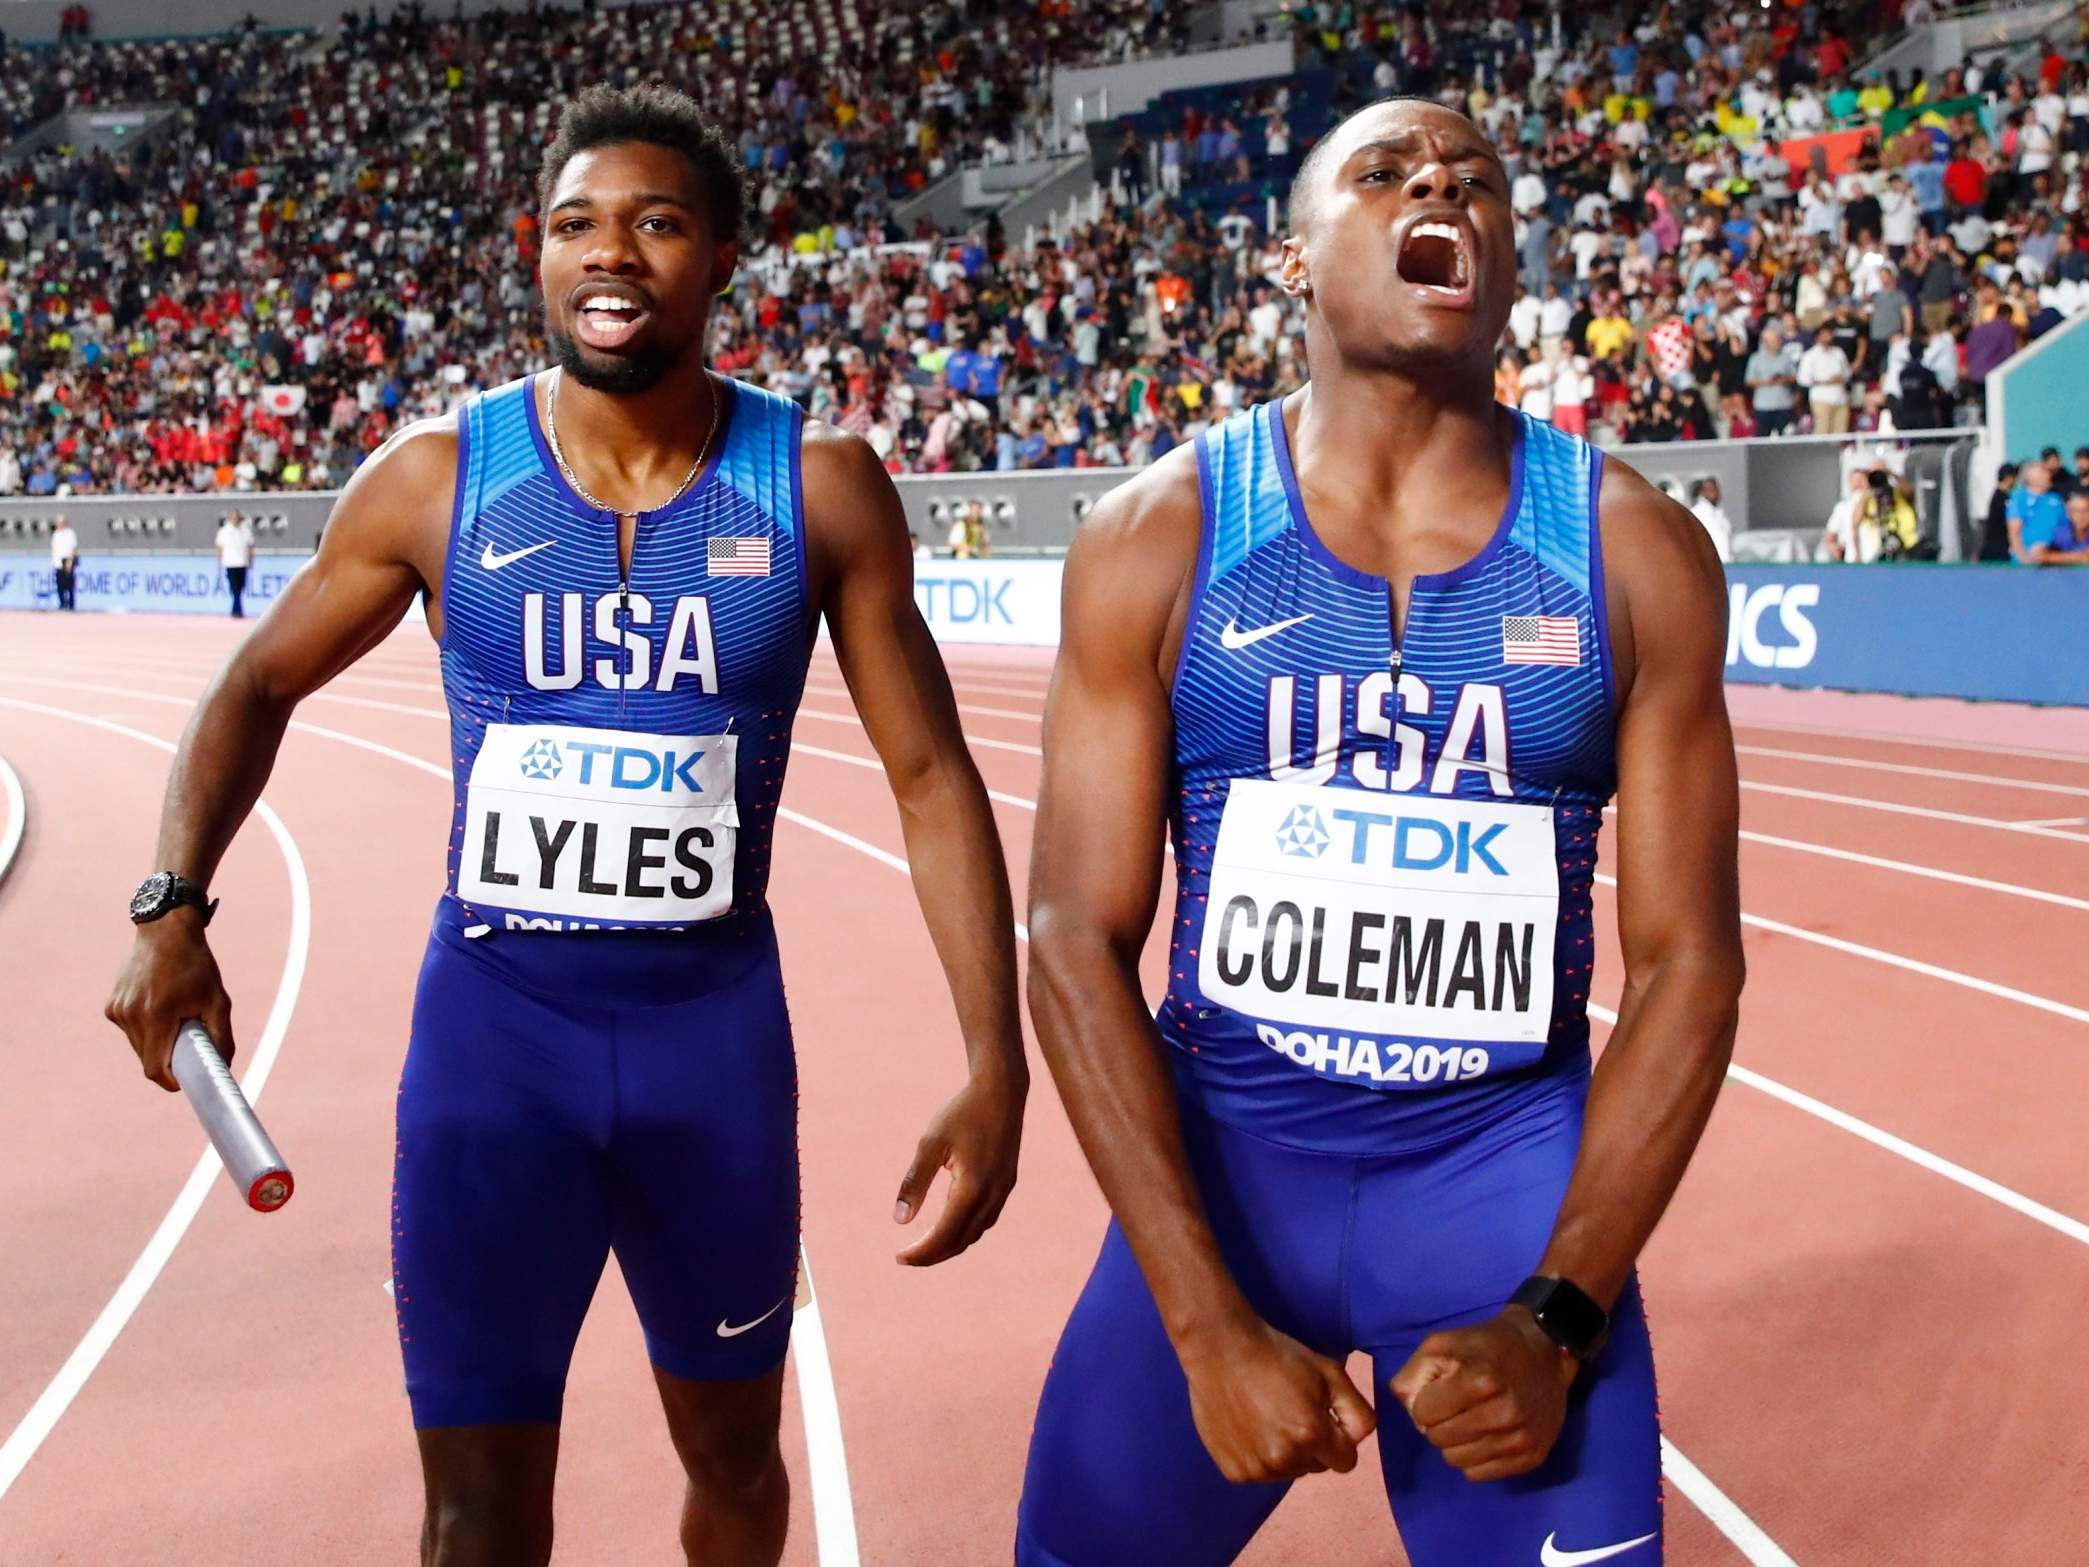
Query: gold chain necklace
{"points": [[551, 431]]}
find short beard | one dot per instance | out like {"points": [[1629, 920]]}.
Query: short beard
{"points": [[618, 375]]}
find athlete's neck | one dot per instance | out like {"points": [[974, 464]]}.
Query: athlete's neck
{"points": [[632, 448], [1396, 449]]}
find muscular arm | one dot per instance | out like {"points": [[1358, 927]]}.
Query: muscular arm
{"points": [[866, 566], [387, 526], [1492, 1397], [1095, 879], [1265, 1406], [1678, 894]]}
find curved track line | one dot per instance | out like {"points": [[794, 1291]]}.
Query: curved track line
{"points": [[1914, 1153], [1745, 1533], [834, 1515], [1725, 1515], [17, 817], [1894, 807], [833, 1508], [1823, 759], [57, 1397], [1950, 976], [1918, 742]]}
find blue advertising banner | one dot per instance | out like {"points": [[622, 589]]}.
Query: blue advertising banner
{"points": [[173, 584], [1998, 632]]}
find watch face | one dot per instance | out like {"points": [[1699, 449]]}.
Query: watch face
{"points": [[151, 896]]}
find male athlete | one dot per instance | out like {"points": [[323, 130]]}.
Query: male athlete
{"points": [[1377, 654], [623, 560]]}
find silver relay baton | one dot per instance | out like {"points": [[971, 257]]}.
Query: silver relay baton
{"points": [[251, 1161]]}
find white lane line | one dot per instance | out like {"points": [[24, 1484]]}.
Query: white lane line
{"points": [[800, 747], [1918, 742], [1714, 1503], [50, 1406], [17, 817], [816, 1397], [1914, 1153], [833, 1507], [2057, 821], [962, 707], [978, 740], [1950, 976], [1905, 868], [1745, 1533], [1909, 769], [1864, 803]]}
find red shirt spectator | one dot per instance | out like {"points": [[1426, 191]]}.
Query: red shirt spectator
{"points": [[1965, 181]]}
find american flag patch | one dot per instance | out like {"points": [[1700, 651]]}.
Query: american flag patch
{"points": [[1541, 639], [738, 558]]}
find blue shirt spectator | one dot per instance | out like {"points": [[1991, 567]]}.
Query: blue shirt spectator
{"points": [[1665, 85], [1927, 182], [2041, 517], [962, 370], [1624, 58], [986, 374]]}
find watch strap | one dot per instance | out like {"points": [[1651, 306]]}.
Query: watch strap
{"points": [[181, 893], [1565, 1313]]}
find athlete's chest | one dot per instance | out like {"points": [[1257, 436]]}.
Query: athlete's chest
{"points": [[1490, 684], [711, 604]]}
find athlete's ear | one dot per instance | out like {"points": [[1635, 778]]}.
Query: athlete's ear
{"points": [[724, 262], [1294, 272]]}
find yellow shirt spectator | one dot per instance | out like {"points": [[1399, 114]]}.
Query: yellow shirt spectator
{"points": [[1875, 100], [1606, 333]]}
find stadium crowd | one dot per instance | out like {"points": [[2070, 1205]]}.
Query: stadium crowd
{"points": [[336, 234]]}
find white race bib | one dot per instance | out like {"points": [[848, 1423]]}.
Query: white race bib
{"points": [[1382, 915], [601, 825]]}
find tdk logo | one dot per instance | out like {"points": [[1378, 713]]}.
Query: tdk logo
{"points": [[1421, 843], [615, 766], [1746, 612], [1304, 834], [542, 760]]}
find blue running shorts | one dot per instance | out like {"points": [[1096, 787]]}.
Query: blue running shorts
{"points": [[572, 1093], [1346, 1254]]}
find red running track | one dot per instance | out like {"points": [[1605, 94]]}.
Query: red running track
{"points": [[1867, 1297]]}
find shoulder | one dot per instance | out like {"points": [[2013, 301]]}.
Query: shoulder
{"points": [[1131, 565], [831, 460], [1662, 568], [404, 491]]}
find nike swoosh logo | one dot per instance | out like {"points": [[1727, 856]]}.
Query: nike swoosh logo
{"points": [[493, 559], [1551, 1555], [1233, 639], [728, 1330]]}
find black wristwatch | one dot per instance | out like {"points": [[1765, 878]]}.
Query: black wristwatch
{"points": [[1565, 1313], [161, 893]]}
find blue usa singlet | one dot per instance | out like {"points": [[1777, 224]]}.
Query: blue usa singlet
{"points": [[619, 746], [1385, 846]]}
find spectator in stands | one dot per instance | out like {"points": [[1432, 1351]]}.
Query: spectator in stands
{"points": [[1704, 505], [235, 548], [2038, 522], [1994, 528], [1773, 370], [2076, 552], [1824, 370], [65, 561]]}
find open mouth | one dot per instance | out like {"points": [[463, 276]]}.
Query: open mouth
{"points": [[609, 320], [1437, 257]]}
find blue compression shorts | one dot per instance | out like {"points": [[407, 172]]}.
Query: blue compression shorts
{"points": [[1346, 1254], [567, 1094]]}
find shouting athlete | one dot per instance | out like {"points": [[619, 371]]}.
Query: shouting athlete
{"points": [[623, 560], [1378, 654]]}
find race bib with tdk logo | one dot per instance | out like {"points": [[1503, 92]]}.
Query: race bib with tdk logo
{"points": [[1346, 916], [601, 825]]}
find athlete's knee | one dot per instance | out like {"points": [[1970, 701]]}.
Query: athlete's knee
{"points": [[484, 1526], [737, 1460]]}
